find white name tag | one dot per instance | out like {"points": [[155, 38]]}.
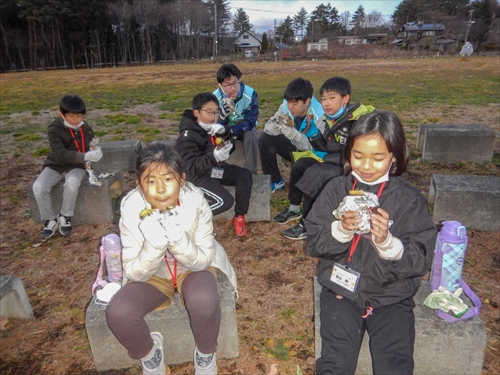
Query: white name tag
{"points": [[217, 173], [345, 277]]}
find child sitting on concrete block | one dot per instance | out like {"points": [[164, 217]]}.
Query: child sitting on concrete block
{"points": [[69, 138]]}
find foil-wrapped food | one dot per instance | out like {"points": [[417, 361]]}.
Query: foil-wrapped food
{"points": [[362, 202], [283, 120], [229, 102]]}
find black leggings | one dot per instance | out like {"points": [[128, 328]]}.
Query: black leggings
{"points": [[125, 314]]}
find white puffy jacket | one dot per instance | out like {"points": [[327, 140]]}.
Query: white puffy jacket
{"points": [[196, 251]]}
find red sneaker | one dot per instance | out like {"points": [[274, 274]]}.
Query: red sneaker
{"points": [[239, 226]]}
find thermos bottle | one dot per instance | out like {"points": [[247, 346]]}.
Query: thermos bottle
{"points": [[449, 254], [113, 251]]}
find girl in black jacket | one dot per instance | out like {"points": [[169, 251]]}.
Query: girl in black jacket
{"points": [[369, 280]]}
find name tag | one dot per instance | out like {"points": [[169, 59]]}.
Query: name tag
{"points": [[217, 172], [345, 277]]}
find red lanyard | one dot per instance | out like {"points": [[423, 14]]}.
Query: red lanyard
{"points": [[76, 143], [173, 275], [357, 237]]}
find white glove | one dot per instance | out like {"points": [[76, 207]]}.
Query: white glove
{"points": [[289, 132], [172, 226], [94, 155], [225, 111], [153, 231], [216, 129], [223, 153]]}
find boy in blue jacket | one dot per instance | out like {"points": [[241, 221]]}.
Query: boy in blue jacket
{"points": [[239, 108]]}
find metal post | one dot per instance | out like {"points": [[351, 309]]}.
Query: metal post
{"points": [[469, 22]]}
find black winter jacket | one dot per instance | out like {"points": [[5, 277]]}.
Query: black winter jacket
{"points": [[332, 140], [382, 282], [64, 155], [195, 147]]}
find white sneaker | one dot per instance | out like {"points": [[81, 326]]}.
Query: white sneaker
{"points": [[154, 363], [203, 364]]}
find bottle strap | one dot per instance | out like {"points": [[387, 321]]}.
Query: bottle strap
{"points": [[471, 312], [98, 280]]}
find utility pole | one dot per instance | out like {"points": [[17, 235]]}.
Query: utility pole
{"points": [[215, 30], [469, 23]]}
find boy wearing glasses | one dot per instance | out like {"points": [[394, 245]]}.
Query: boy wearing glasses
{"points": [[205, 160], [239, 109], [69, 138]]}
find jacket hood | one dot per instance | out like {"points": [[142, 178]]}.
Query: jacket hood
{"points": [[189, 122]]}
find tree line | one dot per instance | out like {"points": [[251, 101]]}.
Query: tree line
{"points": [[40, 34]]}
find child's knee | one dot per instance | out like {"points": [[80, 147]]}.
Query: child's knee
{"points": [[72, 183]]}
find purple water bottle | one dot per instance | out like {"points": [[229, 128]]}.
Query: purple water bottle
{"points": [[113, 251], [451, 245]]}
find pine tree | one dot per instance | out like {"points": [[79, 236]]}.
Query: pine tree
{"points": [[241, 21]]}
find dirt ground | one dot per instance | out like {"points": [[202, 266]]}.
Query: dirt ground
{"points": [[275, 308]]}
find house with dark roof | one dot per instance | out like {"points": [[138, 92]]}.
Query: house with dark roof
{"points": [[414, 32], [247, 41]]}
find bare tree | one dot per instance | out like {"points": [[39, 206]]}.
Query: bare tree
{"points": [[121, 17]]}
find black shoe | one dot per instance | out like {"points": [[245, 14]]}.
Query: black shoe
{"points": [[49, 228], [297, 232], [287, 215], [65, 227]]}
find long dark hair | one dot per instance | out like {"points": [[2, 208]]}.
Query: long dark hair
{"points": [[386, 125], [159, 153]]}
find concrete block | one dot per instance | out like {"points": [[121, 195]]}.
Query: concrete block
{"points": [[260, 200], [179, 343], [14, 301], [238, 157], [453, 143], [94, 204], [118, 155], [440, 347], [472, 200]]}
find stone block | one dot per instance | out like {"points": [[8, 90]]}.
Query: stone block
{"points": [[472, 200], [260, 200], [453, 143], [94, 204], [14, 301], [179, 343], [118, 155], [440, 347]]}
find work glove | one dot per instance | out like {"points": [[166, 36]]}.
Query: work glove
{"points": [[93, 156], [153, 231], [288, 131], [222, 154], [212, 129], [225, 111], [171, 223]]}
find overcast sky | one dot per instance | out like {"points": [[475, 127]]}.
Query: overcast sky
{"points": [[262, 13]]}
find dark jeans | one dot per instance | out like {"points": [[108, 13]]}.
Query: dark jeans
{"points": [[299, 167], [221, 200], [391, 330], [269, 147], [126, 311]]}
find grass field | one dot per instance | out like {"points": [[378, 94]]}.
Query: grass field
{"points": [[274, 310]]}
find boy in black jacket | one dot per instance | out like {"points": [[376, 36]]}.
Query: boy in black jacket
{"points": [[69, 138], [205, 160]]}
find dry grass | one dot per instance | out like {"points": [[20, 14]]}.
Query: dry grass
{"points": [[274, 311]]}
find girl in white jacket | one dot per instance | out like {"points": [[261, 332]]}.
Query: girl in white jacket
{"points": [[169, 254]]}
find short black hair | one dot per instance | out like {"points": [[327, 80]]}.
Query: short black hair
{"points": [[156, 154], [203, 98], [336, 84], [386, 125], [298, 89], [226, 71], [72, 103]]}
